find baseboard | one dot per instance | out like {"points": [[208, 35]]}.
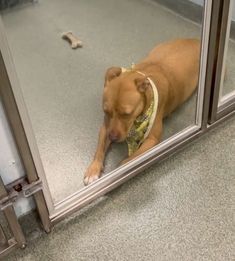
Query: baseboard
{"points": [[184, 8], [190, 11]]}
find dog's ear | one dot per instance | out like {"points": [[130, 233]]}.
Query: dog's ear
{"points": [[112, 73], [142, 84]]}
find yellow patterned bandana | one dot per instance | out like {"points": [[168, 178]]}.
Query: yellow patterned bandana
{"points": [[137, 132], [143, 123]]}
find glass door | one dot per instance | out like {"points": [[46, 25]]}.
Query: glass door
{"points": [[62, 89], [224, 84]]}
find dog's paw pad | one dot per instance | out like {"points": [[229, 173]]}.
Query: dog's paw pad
{"points": [[92, 173], [88, 180]]}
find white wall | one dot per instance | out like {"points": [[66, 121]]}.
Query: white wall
{"points": [[10, 165]]}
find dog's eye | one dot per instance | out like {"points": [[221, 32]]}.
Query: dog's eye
{"points": [[107, 113]]}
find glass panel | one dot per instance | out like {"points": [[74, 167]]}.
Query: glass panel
{"points": [[228, 84], [63, 88]]}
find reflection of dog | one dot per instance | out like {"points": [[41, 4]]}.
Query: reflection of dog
{"points": [[136, 100]]}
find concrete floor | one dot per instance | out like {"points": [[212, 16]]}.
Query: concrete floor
{"points": [[180, 209], [63, 88]]}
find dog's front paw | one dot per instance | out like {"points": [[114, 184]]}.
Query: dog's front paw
{"points": [[93, 173]]}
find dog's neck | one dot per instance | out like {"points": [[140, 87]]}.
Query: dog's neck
{"points": [[144, 122], [148, 94]]}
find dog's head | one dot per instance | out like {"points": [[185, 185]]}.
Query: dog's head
{"points": [[124, 100]]}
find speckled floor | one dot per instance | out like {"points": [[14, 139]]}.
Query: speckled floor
{"points": [[63, 88], [181, 209]]}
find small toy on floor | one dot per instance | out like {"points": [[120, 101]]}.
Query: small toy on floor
{"points": [[74, 41]]}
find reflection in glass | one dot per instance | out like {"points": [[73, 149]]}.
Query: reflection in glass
{"points": [[228, 84]]}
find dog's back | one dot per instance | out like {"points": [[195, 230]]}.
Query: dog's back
{"points": [[179, 62]]}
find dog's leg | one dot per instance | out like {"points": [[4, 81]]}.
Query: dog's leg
{"points": [[152, 140], [94, 170]]}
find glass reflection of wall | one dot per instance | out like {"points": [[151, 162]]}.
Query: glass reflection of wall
{"points": [[228, 71]]}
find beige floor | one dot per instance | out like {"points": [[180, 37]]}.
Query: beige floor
{"points": [[181, 209]]}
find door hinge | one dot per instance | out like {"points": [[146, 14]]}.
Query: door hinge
{"points": [[18, 189], [32, 188]]}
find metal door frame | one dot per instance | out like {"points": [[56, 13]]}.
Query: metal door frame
{"points": [[8, 93], [15, 108], [220, 108], [18, 238]]}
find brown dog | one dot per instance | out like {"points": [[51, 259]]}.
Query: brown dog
{"points": [[173, 67]]}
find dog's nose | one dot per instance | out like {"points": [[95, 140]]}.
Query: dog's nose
{"points": [[113, 136]]}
